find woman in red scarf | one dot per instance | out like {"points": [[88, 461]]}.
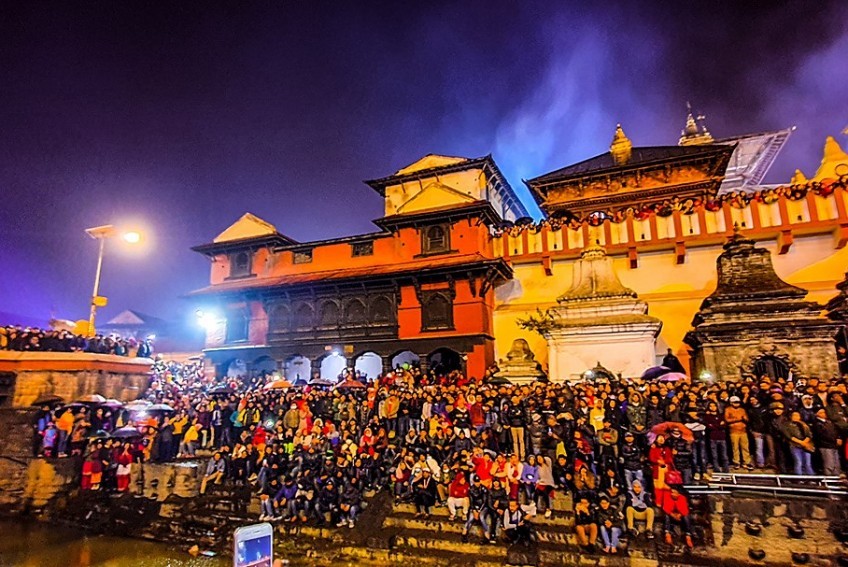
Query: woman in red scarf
{"points": [[124, 461], [661, 458]]}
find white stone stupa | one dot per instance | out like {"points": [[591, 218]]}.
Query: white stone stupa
{"points": [[599, 321]]}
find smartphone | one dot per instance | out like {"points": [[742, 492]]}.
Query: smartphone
{"points": [[254, 546]]}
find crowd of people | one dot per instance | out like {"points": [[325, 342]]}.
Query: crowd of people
{"points": [[493, 454], [17, 338]]}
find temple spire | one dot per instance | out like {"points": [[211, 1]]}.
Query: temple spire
{"points": [[695, 131], [621, 147], [834, 163]]}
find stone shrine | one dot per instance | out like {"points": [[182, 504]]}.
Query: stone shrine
{"points": [[520, 365], [755, 324], [598, 321]]}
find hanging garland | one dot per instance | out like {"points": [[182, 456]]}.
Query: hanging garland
{"points": [[736, 199]]}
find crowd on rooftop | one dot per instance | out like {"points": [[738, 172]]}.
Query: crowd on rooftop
{"points": [[493, 454], [17, 338]]}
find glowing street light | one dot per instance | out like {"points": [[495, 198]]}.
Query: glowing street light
{"points": [[102, 233]]}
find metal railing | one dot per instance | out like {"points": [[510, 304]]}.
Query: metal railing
{"points": [[775, 484]]}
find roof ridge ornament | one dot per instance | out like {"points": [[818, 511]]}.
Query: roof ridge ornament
{"points": [[621, 147], [695, 131]]}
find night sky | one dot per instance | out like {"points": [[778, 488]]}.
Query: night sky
{"points": [[177, 117]]}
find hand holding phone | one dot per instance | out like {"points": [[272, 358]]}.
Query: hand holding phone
{"points": [[253, 546]]}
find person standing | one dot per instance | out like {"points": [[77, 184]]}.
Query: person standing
{"points": [[827, 441], [736, 419], [801, 447]]}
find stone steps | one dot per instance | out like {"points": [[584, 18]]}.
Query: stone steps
{"points": [[559, 517], [552, 532]]}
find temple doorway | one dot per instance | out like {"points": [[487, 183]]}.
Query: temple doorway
{"points": [[332, 366], [297, 367], [406, 357], [444, 361], [369, 365], [771, 366]]}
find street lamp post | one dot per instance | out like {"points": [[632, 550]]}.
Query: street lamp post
{"points": [[102, 233]]}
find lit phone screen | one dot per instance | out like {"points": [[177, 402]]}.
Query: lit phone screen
{"points": [[254, 552]]}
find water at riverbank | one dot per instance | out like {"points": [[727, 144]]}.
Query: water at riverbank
{"points": [[31, 544]]}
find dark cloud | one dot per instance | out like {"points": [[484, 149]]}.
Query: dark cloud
{"points": [[185, 115]]}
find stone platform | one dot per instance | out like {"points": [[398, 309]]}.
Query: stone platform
{"points": [[70, 375]]}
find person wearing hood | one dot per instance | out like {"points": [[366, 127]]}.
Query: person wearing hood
{"points": [[479, 504], [458, 495], [639, 508], [350, 501]]}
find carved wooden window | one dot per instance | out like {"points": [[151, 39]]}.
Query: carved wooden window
{"points": [[435, 239], [436, 311], [355, 313], [303, 317], [303, 256], [280, 318], [329, 314], [237, 325], [381, 310], [362, 248], [241, 264]]}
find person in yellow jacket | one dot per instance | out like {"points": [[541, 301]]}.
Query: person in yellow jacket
{"points": [[188, 447], [65, 424]]}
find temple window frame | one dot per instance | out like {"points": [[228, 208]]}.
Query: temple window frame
{"points": [[431, 244]]}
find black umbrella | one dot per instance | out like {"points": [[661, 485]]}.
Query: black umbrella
{"points": [[321, 382], [126, 433], [655, 372], [222, 389], [498, 381], [99, 434], [159, 407], [48, 400]]}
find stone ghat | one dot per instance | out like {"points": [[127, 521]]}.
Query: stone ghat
{"points": [[71, 375], [164, 505]]}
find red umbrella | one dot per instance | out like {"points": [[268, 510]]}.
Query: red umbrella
{"points": [[665, 428], [350, 383], [277, 385]]}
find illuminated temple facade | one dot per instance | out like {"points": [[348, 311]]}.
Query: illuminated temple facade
{"points": [[457, 273]]}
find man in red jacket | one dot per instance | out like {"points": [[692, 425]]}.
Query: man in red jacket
{"points": [[675, 508], [458, 495]]}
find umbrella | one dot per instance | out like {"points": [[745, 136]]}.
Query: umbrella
{"points": [[75, 405], [221, 389], [498, 381], [92, 399], [277, 385], [99, 434], [48, 400], [655, 372], [137, 405], [350, 384], [665, 428], [300, 383], [673, 377], [324, 382], [112, 403], [159, 407], [128, 432]]}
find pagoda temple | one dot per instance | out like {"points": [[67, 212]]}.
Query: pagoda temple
{"points": [[455, 266]]}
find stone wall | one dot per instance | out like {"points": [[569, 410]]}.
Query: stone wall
{"points": [[73, 375]]}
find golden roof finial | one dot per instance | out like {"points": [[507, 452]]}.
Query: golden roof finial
{"points": [[621, 147], [833, 162], [695, 131], [799, 178]]}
